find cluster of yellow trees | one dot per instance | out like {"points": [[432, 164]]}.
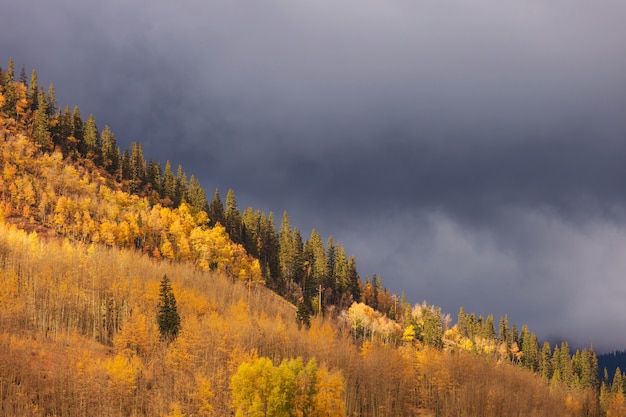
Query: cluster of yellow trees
{"points": [[43, 189]]}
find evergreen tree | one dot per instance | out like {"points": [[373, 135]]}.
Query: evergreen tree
{"points": [[340, 275], [268, 249], [433, 329], [33, 91], [233, 220], [565, 365], [290, 259], [137, 168], [461, 322], [216, 210], [23, 78], [617, 387], [78, 128], [168, 318], [126, 165], [196, 195], [154, 175], [169, 184], [180, 193], [62, 132], [91, 139], [489, 331], [52, 101], [41, 131], [503, 330], [315, 254], [10, 96], [354, 280], [110, 152], [545, 365]]}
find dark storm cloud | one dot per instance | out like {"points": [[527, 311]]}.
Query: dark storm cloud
{"points": [[470, 152]]}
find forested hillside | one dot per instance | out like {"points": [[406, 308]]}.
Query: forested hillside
{"points": [[123, 291]]}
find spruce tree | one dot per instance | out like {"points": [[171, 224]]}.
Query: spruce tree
{"points": [[181, 188], [169, 184], [168, 318], [233, 219], [137, 167], [91, 139], [354, 280], [41, 131], [196, 196], [110, 152], [33, 91], [78, 128], [52, 101], [216, 210], [10, 95]]}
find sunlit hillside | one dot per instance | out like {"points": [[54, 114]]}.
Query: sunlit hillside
{"points": [[120, 296]]}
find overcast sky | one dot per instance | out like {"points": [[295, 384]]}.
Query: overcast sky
{"points": [[471, 152]]}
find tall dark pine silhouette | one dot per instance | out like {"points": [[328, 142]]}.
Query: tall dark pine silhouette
{"points": [[168, 318]]}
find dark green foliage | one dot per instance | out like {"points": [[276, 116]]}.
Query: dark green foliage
{"points": [[41, 131], [303, 315], [136, 168], [167, 318], [168, 185], [9, 91], [52, 101], [232, 218], [153, 174], [33, 91], [180, 191], [91, 139], [110, 152], [354, 281], [78, 127], [195, 195], [433, 328]]}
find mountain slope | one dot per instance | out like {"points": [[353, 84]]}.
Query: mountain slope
{"points": [[79, 299]]}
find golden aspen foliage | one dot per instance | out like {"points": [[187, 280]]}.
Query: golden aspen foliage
{"points": [[329, 391], [137, 334], [175, 411], [204, 395]]}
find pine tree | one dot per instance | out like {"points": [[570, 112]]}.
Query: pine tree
{"points": [[216, 210], [10, 96], [52, 101], [168, 318], [91, 139], [503, 331], [169, 184], [489, 331], [110, 152], [78, 128], [617, 387], [233, 218], [154, 174], [137, 168], [33, 91], [196, 195], [545, 364], [461, 322], [180, 193], [41, 131], [354, 280]]}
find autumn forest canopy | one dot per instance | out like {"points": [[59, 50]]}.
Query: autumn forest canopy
{"points": [[124, 290]]}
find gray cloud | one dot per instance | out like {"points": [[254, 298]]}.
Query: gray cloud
{"points": [[469, 152]]}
